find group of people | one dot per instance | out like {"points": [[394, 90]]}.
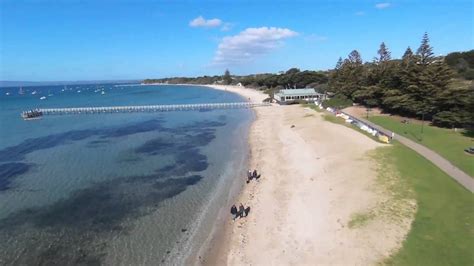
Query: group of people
{"points": [[252, 175], [240, 212]]}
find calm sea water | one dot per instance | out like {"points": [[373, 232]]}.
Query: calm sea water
{"points": [[114, 189]]}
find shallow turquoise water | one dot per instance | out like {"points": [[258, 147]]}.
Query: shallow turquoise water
{"points": [[114, 189]]}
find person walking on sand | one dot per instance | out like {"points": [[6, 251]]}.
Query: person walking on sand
{"points": [[233, 211], [241, 210]]}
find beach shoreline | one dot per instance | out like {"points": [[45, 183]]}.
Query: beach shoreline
{"points": [[214, 250], [316, 177]]}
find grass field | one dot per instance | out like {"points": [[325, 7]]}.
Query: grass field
{"points": [[445, 142], [443, 230]]}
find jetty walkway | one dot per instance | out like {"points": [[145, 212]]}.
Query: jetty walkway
{"points": [[142, 108]]}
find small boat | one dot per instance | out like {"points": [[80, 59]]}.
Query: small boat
{"points": [[20, 91], [79, 91], [103, 92], [7, 93], [34, 92], [43, 98]]}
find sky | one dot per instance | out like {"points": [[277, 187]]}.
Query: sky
{"points": [[113, 40]]}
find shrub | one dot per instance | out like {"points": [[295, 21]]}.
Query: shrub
{"points": [[339, 101]]}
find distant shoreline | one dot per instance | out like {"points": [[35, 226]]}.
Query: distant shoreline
{"points": [[9, 84]]}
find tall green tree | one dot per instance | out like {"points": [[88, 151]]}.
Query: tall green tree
{"points": [[227, 78], [408, 54], [355, 58], [349, 77], [418, 85], [384, 53], [339, 63], [425, 51], [456, 107]]}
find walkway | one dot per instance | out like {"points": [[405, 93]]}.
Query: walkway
{"points": [[146, 108], [457, 174]]}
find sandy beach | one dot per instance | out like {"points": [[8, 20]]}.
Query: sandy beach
{"points": [[316, 177]]}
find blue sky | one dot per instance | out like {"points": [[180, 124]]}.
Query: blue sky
{"points": [[99, 40]]}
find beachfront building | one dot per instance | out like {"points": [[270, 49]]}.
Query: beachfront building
{"points": [[293, 95]]}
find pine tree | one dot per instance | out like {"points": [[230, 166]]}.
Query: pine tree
{"points": [[227, 78], [339, 63], [384, 53], [425, 51], [408, 54], [355, 58], [456, 107], [349, 77]]}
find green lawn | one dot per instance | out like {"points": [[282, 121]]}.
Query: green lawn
{"points": [[445, 142], [443, 230]]}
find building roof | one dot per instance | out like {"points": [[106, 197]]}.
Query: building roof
{"points": [[297, 92]]}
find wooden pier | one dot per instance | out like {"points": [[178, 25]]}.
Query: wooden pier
{"points": [[145, 108]]}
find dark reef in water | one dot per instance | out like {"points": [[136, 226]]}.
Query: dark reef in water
{"points": [[18, 152], [76, 230], [8, 171], [96, 143]]}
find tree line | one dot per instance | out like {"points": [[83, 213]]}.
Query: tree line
{"points": [[419, 85], [293, 78]]}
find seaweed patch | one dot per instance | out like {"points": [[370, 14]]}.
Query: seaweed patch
{"points": [[76, 229], [8, 171]]}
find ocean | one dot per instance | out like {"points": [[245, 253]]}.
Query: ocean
{"points": [[115, 189]]}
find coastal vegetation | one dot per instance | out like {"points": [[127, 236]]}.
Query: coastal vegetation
{"points": [[227, 77], [293, 78], [462, 63], [360, 219], [339, 101], [447, 142], [417, 85]]}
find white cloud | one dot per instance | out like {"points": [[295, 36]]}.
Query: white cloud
{"points": [[202, 22], [249, 44], [382, 5], [359, 13], [315, 38], [227, 26]]}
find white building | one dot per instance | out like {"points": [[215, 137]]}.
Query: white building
{"points": [[293, 95]]}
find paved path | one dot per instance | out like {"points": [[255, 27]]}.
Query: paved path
{"points": [[457, 174]]}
